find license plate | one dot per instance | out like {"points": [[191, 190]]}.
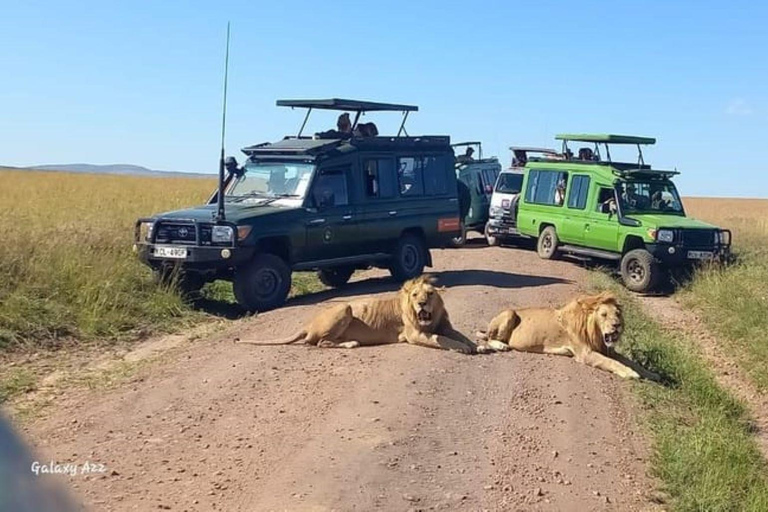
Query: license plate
{"points": [[177, 253], [700, 255]]}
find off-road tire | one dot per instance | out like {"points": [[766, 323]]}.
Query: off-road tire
{"points": [[546, 246], [640, 271], [490, 240], [409, 258], [263, 283], [336, 276]]}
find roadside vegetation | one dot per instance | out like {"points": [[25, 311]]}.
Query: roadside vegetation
{"points": [[68, 275], [733, 302], [703, 449]]}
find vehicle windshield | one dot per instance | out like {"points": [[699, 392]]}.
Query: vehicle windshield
{"points": [[271, 181], [649, 197], [509, 183]]}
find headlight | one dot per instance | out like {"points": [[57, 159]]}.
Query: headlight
{"points": [[222, 234], [145, 231], [723, 237], [495, 211], [665, 235]]}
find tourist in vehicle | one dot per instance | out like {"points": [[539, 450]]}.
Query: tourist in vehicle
{"points": [[230, 164], [586, 154], [560, 190]]}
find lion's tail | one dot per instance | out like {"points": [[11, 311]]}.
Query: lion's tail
{"points": [[299, 336]]}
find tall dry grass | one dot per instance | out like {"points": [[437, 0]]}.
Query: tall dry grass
{"points": [[734, 301], [66, 266]]}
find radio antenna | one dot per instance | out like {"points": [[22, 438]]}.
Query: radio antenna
{"points": [[220, 213]]}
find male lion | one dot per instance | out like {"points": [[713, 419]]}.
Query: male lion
{"points": [[415, 315], [585, 328]]}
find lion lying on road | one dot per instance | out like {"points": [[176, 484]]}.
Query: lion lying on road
{"points": [[415, 315], [586, 328]]}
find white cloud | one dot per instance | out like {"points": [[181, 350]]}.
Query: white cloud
{"points": [[738, 107]]}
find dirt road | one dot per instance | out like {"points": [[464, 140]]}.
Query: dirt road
{"points": [[232, 427]]}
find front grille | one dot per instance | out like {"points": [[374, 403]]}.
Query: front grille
{"points": [[698, 237], [176, 233]]}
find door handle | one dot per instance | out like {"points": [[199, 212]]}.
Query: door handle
{"points": [[347, 216], [317, 221], [393, 213], [586, 227]]}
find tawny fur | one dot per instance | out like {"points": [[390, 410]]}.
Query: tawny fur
{"points": [[383, 321], [579, 329]]}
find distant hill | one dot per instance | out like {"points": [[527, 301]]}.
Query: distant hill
{"points": [[126, 169]]}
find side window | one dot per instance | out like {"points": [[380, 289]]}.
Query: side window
{"points": [[410, 176], [606, 200], [579, 190], [330, 189], [379, 177], [547, 187], [435, 175]]}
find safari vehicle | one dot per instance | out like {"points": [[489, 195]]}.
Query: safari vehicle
{"points": [[334, 203], [502, 221], [478, 174], [631, 213]]}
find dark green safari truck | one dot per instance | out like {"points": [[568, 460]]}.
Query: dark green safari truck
{"points": [[477, 175], [589, 205], [333, 202]]}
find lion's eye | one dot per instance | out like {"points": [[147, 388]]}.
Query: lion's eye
{"points": [[604, 314]]}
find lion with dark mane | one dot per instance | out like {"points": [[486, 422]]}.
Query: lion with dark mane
{"points": [[415, 315], [586, 328]]}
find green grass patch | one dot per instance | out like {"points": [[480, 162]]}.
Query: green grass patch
{"points": [[16, 382], [703, 450], [733, 303]]}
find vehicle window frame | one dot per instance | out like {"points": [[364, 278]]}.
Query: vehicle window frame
{"points": [[345, 172], [394, 176], [572, 189], [530, 198]]}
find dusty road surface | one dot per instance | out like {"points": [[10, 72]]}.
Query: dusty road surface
{"points": [[237, 427]]}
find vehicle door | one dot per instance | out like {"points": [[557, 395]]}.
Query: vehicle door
{"points": [[576, 217], [332, 224], [601, 226], [379, 223]]}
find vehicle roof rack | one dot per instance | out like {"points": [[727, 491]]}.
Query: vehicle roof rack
{"points": [[356, 106]]}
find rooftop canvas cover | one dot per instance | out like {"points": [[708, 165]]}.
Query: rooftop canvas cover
{"points": [[605, 138], [348, 105], [533, 150]]}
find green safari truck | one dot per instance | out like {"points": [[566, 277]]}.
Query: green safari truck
{"points": [[477, 176], [589, 205]]}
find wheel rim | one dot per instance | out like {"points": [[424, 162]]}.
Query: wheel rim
{"points": [[267, 282], [635, 271], [410, 258], [546, 244]]}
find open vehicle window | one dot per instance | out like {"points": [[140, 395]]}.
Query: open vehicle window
{"points": [[649, 197], [330, 189], [579, 190], [379, 177], [546, 187]]}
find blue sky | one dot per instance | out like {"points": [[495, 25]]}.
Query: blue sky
{"points": [[140, 82]]}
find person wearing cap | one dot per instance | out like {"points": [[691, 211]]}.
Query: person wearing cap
{"points": [[230, 164]]}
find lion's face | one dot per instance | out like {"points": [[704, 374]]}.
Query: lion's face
{"points": [[424, 300], [610, 321]]}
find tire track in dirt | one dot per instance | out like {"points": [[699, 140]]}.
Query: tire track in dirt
{"points": [[231, 427]]}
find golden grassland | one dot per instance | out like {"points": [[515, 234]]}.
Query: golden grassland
{"points": [[67, 270]]}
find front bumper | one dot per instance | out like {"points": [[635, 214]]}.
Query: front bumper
{"points": [[502, 226], [197, 257], [678, 255]]}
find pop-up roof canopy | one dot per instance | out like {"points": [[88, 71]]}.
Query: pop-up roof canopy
{"points": [[606, 139], [472, 144], [529, 149], [349, 105]]}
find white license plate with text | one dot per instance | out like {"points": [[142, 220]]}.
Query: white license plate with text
{"points": [[700, 255], [177, 253]]}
